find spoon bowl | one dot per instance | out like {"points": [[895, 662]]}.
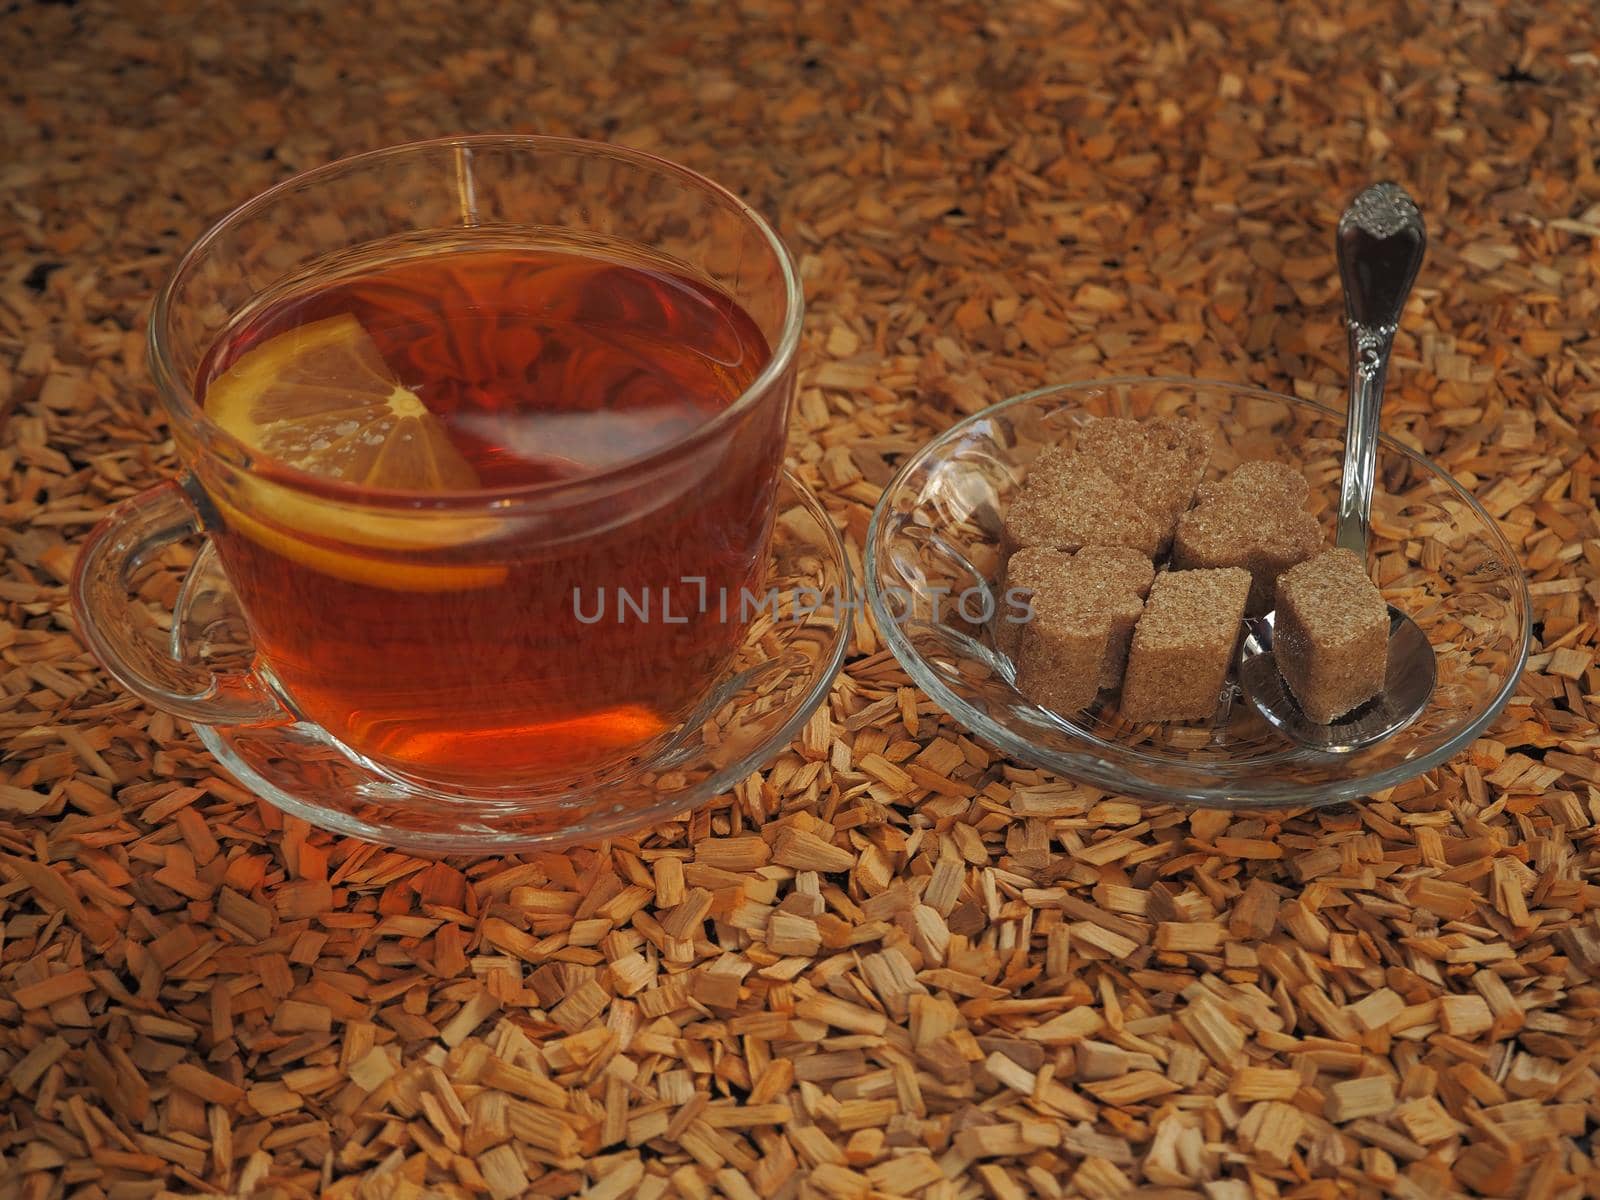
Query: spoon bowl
{"points": [[1408, 684]]}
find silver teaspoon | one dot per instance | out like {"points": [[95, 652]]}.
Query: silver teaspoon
{"points": [[1380, 242]]}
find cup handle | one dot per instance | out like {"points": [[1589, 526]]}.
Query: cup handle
{"points": [[102, 600]]}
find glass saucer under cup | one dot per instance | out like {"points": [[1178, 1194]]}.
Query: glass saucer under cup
{"points": [[780, 674], [1437, 555]]}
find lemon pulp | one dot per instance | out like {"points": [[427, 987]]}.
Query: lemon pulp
{"points": [[321, 399]]}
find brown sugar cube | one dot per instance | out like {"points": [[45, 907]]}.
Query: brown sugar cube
{"points": [[1061, 656], [1040, 570], [1183, 645], [1067, 503], [1159, 463], [1330, 636], [1118, 564], [1255, 519], [1122, 575], [1083, 618], [1028, 572]]}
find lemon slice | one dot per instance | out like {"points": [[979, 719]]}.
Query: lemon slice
{"points": [[320, 398]]}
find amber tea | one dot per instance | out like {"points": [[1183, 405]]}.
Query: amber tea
{"points": [[457, 646]]}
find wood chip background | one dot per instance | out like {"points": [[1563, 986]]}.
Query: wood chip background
{"points": [[894, 964]]}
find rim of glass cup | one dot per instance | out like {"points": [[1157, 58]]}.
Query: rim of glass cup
{"points": [[1084, 766], [183, 405]]}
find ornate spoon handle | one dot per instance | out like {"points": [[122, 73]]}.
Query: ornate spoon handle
{"points": [[1381, 242]]}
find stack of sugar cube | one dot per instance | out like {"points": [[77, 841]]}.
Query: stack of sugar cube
{"points": [[1083, 540]]}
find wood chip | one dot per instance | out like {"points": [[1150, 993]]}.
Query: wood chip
{"points": [[1371, 1096]]}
